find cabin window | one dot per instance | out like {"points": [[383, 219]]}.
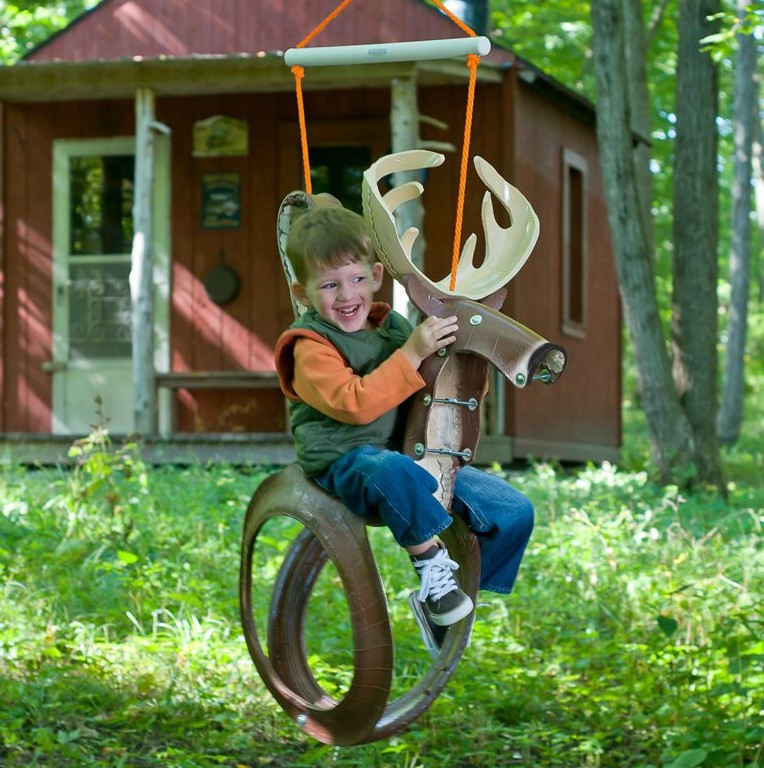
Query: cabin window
{"points": [[339, 171], [100, 240], [574, 241]]}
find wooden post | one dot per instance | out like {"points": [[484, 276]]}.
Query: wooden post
{"points": [[404, 124], [142, 269]]}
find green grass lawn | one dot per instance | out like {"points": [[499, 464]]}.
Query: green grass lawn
{"points": [[635, 636]]}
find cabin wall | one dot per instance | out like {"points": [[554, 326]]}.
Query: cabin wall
{"points": [[242, 334], [448, 104], [523, 134], [583, 408], [239, 335], [204, 336], [27, 243], [515, 128]]}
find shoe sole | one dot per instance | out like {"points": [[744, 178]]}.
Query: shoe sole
{"points": [[424, 627]]}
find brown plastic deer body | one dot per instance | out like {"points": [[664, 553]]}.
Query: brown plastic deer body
{"points": [[443, 432], [444, 421]]}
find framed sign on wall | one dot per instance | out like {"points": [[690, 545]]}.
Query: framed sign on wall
{"points": [[221, 206]]}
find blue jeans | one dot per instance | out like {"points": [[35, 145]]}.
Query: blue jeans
{"points": [[370, 482]]}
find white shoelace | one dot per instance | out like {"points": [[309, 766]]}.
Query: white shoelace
{"points": [[437, 576]]}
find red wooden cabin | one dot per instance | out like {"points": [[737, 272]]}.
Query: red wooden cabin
{"points": [[225, 150]]}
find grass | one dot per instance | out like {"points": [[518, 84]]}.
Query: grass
{"points": [[635, 637]]}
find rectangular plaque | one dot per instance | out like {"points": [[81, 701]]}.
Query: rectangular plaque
{"points": [[221, 205]]}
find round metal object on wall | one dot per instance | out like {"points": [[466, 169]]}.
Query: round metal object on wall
{"points": [[222, 284]]}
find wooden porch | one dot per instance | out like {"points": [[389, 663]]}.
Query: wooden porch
{"points": [[265, 449]]}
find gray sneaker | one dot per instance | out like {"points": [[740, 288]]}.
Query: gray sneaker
{"points": [[444, 601], [433, 636]]}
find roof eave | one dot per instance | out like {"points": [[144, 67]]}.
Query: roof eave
{"points": [[208, 74]]}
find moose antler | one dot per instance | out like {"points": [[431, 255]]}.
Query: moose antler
{"points": [[518, 352], [507, 248]]}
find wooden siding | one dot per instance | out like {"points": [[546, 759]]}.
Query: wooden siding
{"points": [[241, 335], [150, 28], [520, 128], [523, 136], [27, 319], [27, 310], [584, 407]]}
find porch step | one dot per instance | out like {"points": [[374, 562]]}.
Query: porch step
{"points": [[233, 448]]}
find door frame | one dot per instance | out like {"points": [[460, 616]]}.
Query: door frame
{"points": [[63, 150]]}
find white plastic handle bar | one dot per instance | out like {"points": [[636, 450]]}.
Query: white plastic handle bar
{"points": [[418, 50]]}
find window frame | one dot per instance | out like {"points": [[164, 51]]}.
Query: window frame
{"points": [[574, 241]]}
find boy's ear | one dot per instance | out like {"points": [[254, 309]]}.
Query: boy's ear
{"points": [[300, 294], [378, 271]]}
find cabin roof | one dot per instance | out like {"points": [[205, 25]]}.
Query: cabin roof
{"points": [[237, 46], [200, 75], [117, 29]]}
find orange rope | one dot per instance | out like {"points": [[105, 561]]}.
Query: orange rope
{"points": [[472, 62], [459, 23], [299, 73], [325, 23]]}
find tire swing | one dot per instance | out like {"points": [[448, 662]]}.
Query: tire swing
{"points": [[442, 434]]}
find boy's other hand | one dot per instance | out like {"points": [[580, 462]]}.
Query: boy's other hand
{"points": [[432, 334]]}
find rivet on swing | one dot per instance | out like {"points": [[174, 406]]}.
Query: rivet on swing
{"points": [[427, 399], [419, 449], [476, 320], [442, 352], [465, 454], [301, 720], [520, 379], [472, 403]]}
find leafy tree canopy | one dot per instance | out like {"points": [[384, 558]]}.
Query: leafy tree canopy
{"points": [[27, 23]]}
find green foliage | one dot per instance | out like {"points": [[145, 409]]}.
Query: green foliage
{"points": [[554, 36], [26, 23], [722, 45], [103, 488], [634, 638]]}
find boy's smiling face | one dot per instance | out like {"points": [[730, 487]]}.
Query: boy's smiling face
{"points": [[342, 295]]}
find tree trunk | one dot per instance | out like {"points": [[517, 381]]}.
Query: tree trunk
{"points": [[669, 429], [696, 225], [758, 188], [730, 417], [641, 116]]}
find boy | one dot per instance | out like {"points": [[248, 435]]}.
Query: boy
{"points": [[348, 366]]}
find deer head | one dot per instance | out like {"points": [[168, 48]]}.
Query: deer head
{"points": [[515, 350]]}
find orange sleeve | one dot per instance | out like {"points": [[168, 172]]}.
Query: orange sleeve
{"points": [[334, 389]]}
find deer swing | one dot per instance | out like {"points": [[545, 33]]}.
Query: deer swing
{"points": [[442, 432]]}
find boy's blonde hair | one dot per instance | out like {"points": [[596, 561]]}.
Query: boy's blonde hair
{"points": [[328, 237]]}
